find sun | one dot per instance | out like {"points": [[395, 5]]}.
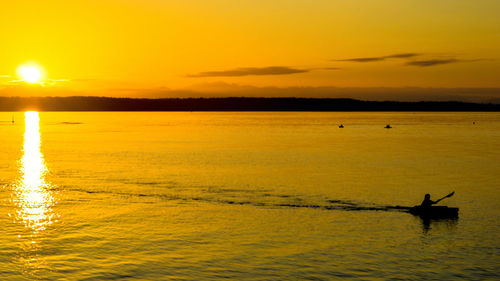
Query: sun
{"points": [[30, 73]]}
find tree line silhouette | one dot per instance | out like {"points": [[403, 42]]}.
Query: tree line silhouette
{"points": [[230, 104]]}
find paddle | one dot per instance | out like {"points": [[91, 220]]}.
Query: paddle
{"points": [[449, 195]]}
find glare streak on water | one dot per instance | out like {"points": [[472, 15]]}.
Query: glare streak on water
{"points": [[247, 196], [31, 193]]}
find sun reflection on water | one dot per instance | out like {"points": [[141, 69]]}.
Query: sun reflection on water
{"points": [[33, 197]]}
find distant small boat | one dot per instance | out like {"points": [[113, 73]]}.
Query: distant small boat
{"points": [[388, 126], [341, 126], [434, 212]]}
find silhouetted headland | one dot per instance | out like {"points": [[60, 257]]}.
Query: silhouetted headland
{"points": [[229, 104]]}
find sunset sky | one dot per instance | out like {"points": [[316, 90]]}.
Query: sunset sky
{"points": [[162, 48]]}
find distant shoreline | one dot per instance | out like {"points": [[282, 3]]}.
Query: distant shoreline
{"points": [[80, 103]]}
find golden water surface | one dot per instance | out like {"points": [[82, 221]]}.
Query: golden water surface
{"points": [[247, 196]]}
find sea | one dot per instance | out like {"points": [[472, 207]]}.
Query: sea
{"points": [[248, 195]]}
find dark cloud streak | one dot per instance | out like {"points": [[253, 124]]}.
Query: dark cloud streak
{"points": [[403, 55], [246, 71], [374, 59], [433, 62], [364, 59], [325, 68]]}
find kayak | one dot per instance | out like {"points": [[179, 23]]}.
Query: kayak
{"points": [[434, 212]]}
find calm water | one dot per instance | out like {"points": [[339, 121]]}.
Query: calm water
{"points": [[247, 196]]}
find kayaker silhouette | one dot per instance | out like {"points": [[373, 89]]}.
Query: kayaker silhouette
{"points": [[428, 202], [426, 211]]}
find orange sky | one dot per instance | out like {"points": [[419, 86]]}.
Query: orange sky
{"points": [[135, 48]]}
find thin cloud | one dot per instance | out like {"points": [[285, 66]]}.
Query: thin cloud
{"points": [[374, 59], [329, 68], [43, 83], [3, 79], [364, 59], [323, 68], [58, 80], [85, 79], [246, 71], [433, 62], [402, 56]]}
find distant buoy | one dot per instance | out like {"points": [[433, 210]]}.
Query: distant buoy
{"points": [[341, 126], [388, 126]]}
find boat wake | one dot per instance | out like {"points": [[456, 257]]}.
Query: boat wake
{"points": [[268, 200]]}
